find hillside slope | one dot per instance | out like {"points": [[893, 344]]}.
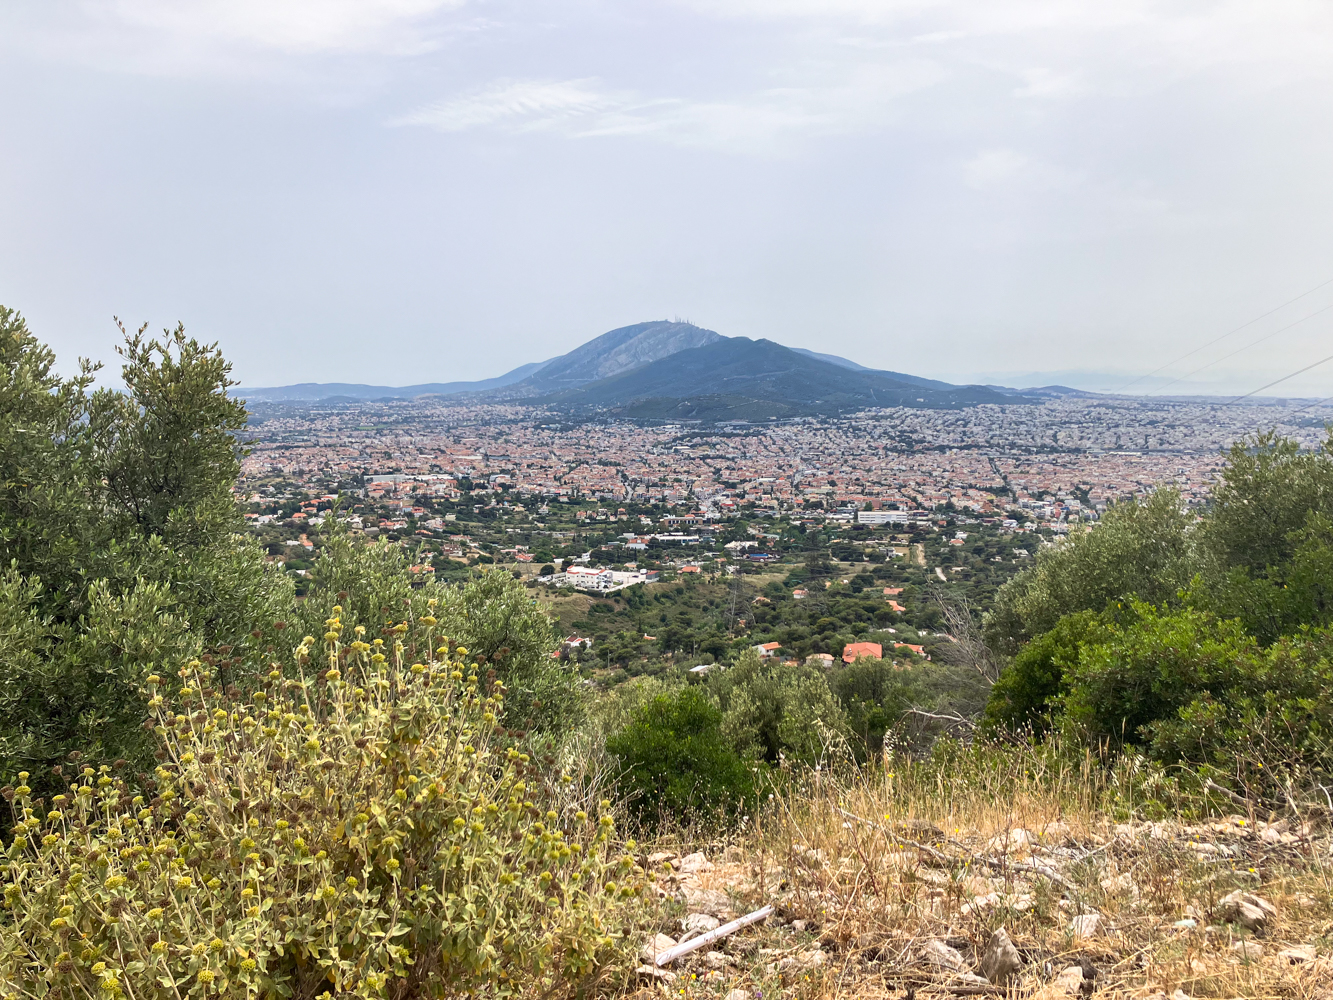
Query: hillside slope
{"points": [[314, 391], [739, 378], [620, 350]]}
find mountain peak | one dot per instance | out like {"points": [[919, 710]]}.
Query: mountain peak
{"points": [[621, 350]]}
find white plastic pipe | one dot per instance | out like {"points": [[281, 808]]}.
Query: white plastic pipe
{"points": [[694, 944]]}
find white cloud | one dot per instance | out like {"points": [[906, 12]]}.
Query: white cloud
{"points": [[762, 121], [392, 27], [516, 105]]}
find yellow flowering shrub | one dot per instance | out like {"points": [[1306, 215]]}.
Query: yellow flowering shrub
{"points": [[360, 826]]}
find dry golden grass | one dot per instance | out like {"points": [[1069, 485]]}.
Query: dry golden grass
{"points": [[935, 856]]}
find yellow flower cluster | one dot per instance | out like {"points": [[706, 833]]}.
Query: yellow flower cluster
{"points": [[334, 825]]}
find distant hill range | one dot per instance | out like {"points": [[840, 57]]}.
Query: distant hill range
{"points": [[665, 370]]}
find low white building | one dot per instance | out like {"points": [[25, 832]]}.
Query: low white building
{"points": [[601, 580]]}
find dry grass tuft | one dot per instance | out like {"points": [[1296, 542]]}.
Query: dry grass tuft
{"points": [[903, 900]]}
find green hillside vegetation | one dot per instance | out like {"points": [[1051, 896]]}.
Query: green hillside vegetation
{"points": [[393, 786], [1202, 640]]}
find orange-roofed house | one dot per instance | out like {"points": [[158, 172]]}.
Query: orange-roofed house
{"points": [[892, 591], [918, 650], [853, 651], [768, 648], [895, 606]]}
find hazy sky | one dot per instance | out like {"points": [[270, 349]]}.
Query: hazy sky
{"points": [[397, 191]]}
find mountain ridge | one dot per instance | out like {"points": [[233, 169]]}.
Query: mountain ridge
{"points": [[737, 376], [660, 368]]}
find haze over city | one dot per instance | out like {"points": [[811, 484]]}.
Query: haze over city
{"points": [[396, 192]]}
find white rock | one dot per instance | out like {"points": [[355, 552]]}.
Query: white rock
{"points": [[699, 923], [1250, 911], [738, 995], [810, 856], [802, 961], [655, 974], [712, 901], [1054, 831], [693, 863], [938, 953], [1086, 925], [716, 960], [1001, 960], [969, 979], [980, 904], [659, 858], [1070, 979], [1013, 842], [1188, 924], [655, 946], [1298, 955], [1121, 884], [1247, 949], [1271, 836]]}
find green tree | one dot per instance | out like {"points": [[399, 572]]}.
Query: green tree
{"points": [[122, 542], [1028, 693], [676, 762], [777, 712], [1189, 686], [1139, 549]]}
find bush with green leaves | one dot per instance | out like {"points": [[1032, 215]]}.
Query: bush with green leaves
{"points": [[1202, 639], [1029, 692], [493, 615], [676, 764], [1137, 550], [360, 827], [121, 541], [778, 712], [1189, 686], [877, 697]]}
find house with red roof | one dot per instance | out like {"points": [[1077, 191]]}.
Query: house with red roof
{"points": [[853, 651]]}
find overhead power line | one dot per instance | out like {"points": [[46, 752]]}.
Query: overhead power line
{"points": [[1282, 379], [1218, 340], [1238, 350]]}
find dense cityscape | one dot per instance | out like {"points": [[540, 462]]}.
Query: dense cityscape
{"points": [[1056, 460], [800, 538]]}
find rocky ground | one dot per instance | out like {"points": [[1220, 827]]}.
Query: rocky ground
{"points": [[899, 907]]}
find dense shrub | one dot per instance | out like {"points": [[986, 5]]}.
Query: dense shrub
{"points": [[1189, 686], [776, 712], [120, 538], [360, 827], [494, 616], [1027, 695], [676, 763], [1138, 549], [877, 696]]}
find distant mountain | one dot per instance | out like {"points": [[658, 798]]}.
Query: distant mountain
{"points": [[743, 379], [621, 350], [348, 392], [611, 353], [674, 370], [833, 359]]}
